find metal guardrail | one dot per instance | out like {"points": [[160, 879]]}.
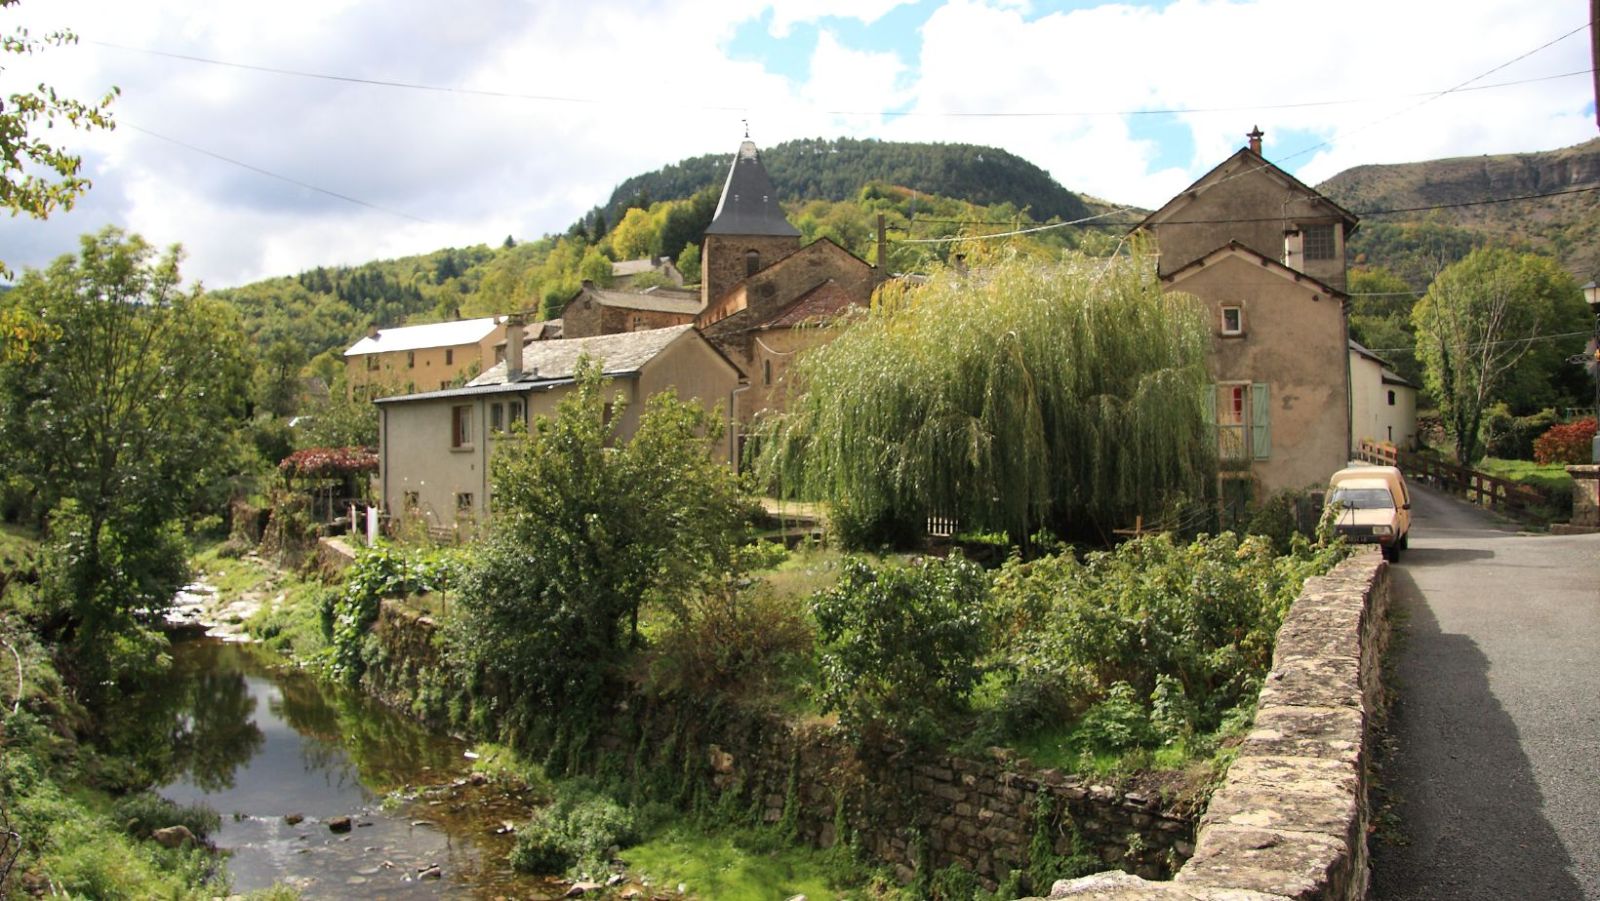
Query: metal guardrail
{"points": [[1481, 488]]}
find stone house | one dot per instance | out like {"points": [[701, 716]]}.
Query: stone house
{"points": [[1383, 405], [422, 357], [625, 272], [767, 298], [598, 311], [434, 448], [1265, 254]]}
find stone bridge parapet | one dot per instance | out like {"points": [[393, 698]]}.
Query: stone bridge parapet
{"points": [[1290, 821]]}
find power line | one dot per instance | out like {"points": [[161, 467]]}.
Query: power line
{"points": [[1483, 344], [558, 98], [270, 174]]}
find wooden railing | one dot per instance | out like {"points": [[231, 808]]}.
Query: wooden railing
{"points": [[1481, 488]]}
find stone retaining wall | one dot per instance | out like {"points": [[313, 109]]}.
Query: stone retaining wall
{"points": [[1290, 821]]}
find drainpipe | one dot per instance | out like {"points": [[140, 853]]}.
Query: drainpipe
{"points": [[733, 432], [383, 460]]}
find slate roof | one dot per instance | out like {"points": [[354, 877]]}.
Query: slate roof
{"points": [[687, 303], [419, 337], [620, 354], [749, 206], [1388, 376]]}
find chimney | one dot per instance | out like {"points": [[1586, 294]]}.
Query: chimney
{"points": [[1255, 137], [1294, 250], [514, 347], [372, 331]]}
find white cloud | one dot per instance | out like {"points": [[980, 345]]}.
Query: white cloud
{"points": [[661, 87]]}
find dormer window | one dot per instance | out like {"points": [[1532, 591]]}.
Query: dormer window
{"points": [[752, 262], [1232, 320], [1318, 242]]}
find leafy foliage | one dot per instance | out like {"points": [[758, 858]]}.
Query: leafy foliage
{"points": [[1066, 396], [1569, 442], [328, 462], [1477, 335], [583, 535], [1148, 643], [582, 827], [900, 645], [377, 573], [118, 418]]}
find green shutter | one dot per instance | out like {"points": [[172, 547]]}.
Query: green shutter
{"points": [[1260, 421]]}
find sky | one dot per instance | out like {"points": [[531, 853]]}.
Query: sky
{"points": [[254, 134]]}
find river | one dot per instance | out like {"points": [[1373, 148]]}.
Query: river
{"points": [[280, 755]]}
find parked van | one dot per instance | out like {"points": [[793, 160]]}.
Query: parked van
{"points": [[1374, 507]]}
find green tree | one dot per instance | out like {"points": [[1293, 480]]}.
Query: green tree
{"points": [[583, 535], [1481, 321], [635, 236], [1380, 318], [21, 191], [128, 396], [1066, 395]]}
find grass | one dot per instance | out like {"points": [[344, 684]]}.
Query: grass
{"points": [[288, 621], [728, 867], [17, 542], [1552, 477]]}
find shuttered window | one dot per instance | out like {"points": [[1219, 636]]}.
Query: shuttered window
{"points": [[1242, 414]]}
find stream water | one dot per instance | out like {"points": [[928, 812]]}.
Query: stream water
{"points": [[265, 745]]}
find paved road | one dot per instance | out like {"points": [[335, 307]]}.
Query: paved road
{"points": [[1496, 722]]}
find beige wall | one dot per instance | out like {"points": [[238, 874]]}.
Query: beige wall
{"points": [[426, 369], [1372, 417], [777, 349], [698, 372], [1255, 209], [1294, 344]]}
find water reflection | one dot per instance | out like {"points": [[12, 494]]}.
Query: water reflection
{"points": [[258, 742]]}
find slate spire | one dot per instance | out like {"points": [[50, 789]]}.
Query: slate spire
{"points": [[749, 206]]}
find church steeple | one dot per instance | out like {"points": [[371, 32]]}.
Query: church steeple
{"points": [[749, 206]]}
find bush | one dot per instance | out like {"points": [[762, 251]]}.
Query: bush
{"points": [[732, 641], [581, 828], [1150, 642], [143, 813], [901, 644], [1570, 443], [1511, 437]]}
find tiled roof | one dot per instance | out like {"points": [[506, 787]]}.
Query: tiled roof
{"points": [[557, 358], [749, 206], [824, 301], [419, 337]]}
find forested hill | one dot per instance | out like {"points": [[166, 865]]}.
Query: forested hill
{"points": [[1414, 244], [820, 169]]}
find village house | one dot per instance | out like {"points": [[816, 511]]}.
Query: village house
{"points": [[598, 311], [434, 447], [625, 272], [1265, 254], [423, 357], [1383, 405]]}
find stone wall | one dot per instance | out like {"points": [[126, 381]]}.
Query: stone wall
{"points": [[1290, 821], [1585, 497]]}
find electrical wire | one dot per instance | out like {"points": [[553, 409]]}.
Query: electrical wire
{"points": [[123, 123], [1479, 346], [887, 114]]}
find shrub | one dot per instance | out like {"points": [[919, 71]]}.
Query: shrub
{"points": [[1511, 437], [901, 644], [732, 641], [143, 813], [581, 828], [1570, 443]]}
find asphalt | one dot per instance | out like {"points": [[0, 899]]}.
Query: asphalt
{"points": [[1493, 766]]}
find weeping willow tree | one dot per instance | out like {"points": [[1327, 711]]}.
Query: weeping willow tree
{"points": [[1068, 395]]}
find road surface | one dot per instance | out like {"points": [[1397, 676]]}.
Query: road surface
{"points": [[1495, 727]]}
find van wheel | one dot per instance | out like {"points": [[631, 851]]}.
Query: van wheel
{"points": [[1405, 542], [1391, 553]]}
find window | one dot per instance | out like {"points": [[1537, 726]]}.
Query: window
{"points": [[638, 324], [411, 359], [444, 386], [464, 502], [766, 372], [1391, 398], [1242, 416], [1319, 244], [1232, 321], [461, 426], [752, 262], [410, 500], [449, 356], [497, 421], [516, 413], [372, 362]]}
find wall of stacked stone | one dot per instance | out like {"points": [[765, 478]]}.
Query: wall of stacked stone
{"points": [[1290, 820]]}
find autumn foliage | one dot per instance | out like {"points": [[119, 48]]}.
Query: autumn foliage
{"points": [[1568, 442], [328, 462]]}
